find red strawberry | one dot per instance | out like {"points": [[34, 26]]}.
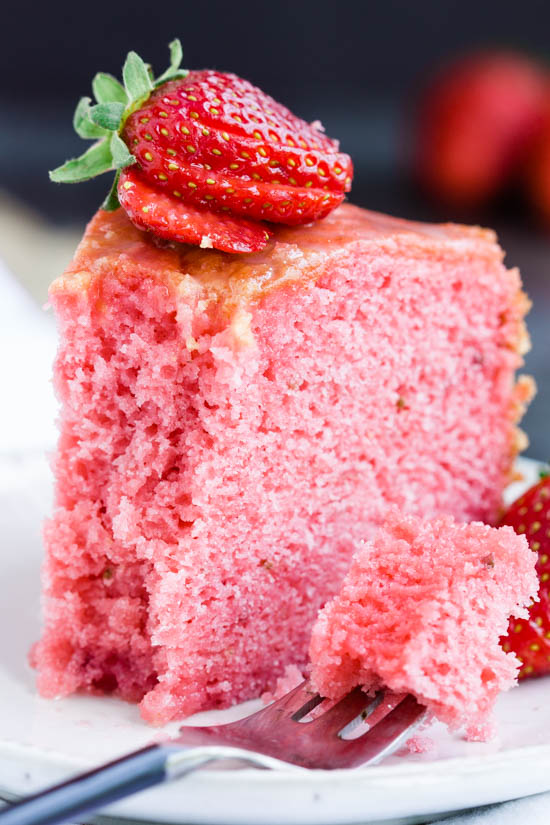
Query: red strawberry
{"points": [[529, 638], [538, 180], [224, 144], [210, 155], [157, 211], [477, 125]]}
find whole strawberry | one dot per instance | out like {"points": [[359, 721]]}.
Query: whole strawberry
{"points": [[478, 123], [529, 638], [204, 157], [538, 177]]}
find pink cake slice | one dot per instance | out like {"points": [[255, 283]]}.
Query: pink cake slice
{"points": [[232, 425], [421, 611]]}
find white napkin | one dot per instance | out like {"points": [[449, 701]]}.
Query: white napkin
{"points": [[27, 348]]}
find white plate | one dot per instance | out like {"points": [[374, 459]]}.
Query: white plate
{"points": [[43, 741]]}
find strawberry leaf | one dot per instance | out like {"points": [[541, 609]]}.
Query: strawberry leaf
{"points": [[104, 120], [107, 115], [95, 161], [83, 126], [107, 89], [173, 71], [136, 77], [176, 53], [111, 202], [120, 153]]}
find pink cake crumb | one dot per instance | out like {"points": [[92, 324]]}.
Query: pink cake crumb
{"points": [[481, 732], [290, 679], [420, 744], [421, 611]]}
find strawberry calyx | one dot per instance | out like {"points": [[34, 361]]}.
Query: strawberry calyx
{"points": [[104, 120]]}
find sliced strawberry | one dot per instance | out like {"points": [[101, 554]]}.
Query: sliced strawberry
{"points": [[278, 203], [529, 638], [225, 145], [167, 217], [211, 156]]}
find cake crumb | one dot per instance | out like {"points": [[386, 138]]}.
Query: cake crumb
{"points": [[420, 744], [482, 732], [206, 242], [421, 611]]}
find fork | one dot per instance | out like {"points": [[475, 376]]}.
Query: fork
{"points": [[283, 732]]}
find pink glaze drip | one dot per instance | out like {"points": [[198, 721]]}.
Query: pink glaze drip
{"points": [[232, 426]]}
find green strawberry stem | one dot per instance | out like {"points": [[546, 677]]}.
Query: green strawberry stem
{"points": [[104, 120]]}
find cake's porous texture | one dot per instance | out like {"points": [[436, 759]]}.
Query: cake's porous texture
{"points": [[421, 611], [290, 679], [232, 426]]}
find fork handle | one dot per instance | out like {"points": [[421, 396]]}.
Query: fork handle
{"points": [[100, 787]]}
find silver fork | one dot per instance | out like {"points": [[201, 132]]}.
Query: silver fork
{"points": [[273, 736]]}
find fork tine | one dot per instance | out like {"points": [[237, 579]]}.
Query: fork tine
{"points": [[337, 717], [385, 737], [301, 698], [266, 723], [275, 731]]}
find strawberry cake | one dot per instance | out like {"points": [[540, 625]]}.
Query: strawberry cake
{"points": [[421, 611], [231, 426], [251, 373]]}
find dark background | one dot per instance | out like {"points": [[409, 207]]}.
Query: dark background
{"points": [[357, 66]]}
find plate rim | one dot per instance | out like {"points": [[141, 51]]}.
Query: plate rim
{"points": [[296, 773]]}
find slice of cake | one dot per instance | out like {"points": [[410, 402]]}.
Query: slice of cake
{"points": [[421, 611], [232, 426]]}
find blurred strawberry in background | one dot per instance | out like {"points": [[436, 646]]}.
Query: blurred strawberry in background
{"points": [[538, 178], [478, 125]]}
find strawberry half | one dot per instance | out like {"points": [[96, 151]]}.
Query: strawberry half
{"points": [[529, 638], [206, 154], [156, 211]]}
